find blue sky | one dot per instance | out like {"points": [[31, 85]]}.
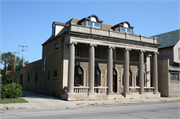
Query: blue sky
{"points": [[29, 22]]}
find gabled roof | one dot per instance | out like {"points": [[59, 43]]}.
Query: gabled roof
{"points": [[168, 39]]}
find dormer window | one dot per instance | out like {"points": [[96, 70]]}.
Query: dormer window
{"points": [[92, 20], [89, 23], [126, 30], [123, 27]]}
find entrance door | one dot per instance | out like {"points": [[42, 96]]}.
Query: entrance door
{"points": [[114, 80]]}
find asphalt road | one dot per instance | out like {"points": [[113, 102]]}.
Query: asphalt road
{"points": [[163, 110]]}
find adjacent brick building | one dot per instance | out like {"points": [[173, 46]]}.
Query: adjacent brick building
{"points": [[168, 63], [87, 59]]}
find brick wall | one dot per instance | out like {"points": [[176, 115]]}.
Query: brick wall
{"points": [[163, 77]]}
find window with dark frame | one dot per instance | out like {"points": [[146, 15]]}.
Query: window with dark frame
{"points": [[97, 78], [48, 75], [56, 46], [96, 52], [55, 73], [28, 78], [114, 54], [174, 76], [36, 77], [44, 63], [78, 78], [78, 50]]}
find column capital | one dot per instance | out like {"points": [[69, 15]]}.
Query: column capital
{"points": [[127, 49], [92, 44], [72, 42], [142, 51], [69, 42], [110, 46], [155, 52]]}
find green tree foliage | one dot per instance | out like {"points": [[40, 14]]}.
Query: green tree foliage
{"points": [[10, 62], [6, 91], [5, 78], [19, 64], [10, 66]]}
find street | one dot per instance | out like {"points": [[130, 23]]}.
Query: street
{"points": [[161, 110]]}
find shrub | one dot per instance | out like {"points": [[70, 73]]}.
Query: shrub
{"points": [[3, 92], [7, 91]]}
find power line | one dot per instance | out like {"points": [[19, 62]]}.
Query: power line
{"points": [[23, 53]]}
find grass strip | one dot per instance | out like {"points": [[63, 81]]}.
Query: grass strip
{"points": [[15, 100]]}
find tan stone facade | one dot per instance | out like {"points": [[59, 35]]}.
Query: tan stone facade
{"points": [[167, 87], [82, 63]]}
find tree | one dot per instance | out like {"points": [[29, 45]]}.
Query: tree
{"points": [[10, 66], [19, 64], [10, 62]]}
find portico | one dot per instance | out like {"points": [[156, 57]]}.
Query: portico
{"points": [[89, 90]]}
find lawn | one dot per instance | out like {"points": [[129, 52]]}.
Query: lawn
{"points": [[15, 100]]}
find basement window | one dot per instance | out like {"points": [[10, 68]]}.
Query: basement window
{"points": [[174, 76]]}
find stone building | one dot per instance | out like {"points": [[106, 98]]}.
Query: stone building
{"points": [[87, 59], [168, 63]]}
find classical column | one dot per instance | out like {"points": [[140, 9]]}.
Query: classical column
{"points": [[91, 68], [155, 72], [126, 71], [110, 70], [141, 71], [71, 68]]}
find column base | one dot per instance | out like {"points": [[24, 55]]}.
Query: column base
{"points": [[71, 96], [110, 93], [141, 92], [127, 94], [156, 92]]}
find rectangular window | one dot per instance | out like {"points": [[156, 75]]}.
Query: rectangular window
{"points": [[123, 29], [129, 30], [55, 73], [78, 50], [44, 63], [36, 77], [56, 47], [89, 23], [174, 76], [97, 25], [126, 30], [179, 53], [28, 78], [96, 52], [114, 54], [48, 75]]}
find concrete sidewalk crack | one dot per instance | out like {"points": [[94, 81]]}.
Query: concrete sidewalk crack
{"points": [[32, 106]]}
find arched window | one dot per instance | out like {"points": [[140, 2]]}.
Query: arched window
{"points": [[78, 78], [114, 80], [97, 78], [130, 78], [137, 79]]}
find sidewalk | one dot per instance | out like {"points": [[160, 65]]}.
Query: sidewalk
{"points": [[43, 102]]}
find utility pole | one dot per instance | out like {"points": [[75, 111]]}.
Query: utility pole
{"points": [[13, 72], [6, 65], [23, 53]]}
